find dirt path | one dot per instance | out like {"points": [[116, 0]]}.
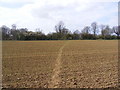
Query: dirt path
{"points": [[55, 78]]}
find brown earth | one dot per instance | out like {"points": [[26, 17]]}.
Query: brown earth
{"points": [[60, 64]]}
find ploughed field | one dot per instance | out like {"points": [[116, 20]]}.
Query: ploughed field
{"points": [[60, 64]]}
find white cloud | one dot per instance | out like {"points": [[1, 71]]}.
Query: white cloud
{"points": [[45, 14]]}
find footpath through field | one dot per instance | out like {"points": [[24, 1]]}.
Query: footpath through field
{"points": [[55, 80]]}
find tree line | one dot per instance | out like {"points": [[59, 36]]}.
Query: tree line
{"points": [[92, 32]]}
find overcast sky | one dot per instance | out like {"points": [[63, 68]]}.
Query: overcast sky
{"points": [[45, 14]]}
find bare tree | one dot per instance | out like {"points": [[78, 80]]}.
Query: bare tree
{"points": [[23, 30], [5, 29], [105, 31], [108, 30], [86, 30], [14, 26], [59, 27], [116, 30], [94, 28], [102, 27], [76, 32]]}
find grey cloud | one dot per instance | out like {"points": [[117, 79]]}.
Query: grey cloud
{"points": [[53, 11]]}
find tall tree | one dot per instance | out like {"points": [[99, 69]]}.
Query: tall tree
{"points": [[85, 34], [76, 35], [86, 30], [61, 30], [102, 27], [59, 27], [106, 31], [94, 28], [14, 26], [116, 30], [5, 32]]}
